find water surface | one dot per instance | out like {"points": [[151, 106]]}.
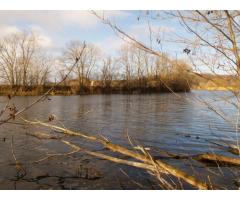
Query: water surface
{"points": [[159, 121]]}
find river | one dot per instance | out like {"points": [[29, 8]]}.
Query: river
{"points": [[179, 124]]}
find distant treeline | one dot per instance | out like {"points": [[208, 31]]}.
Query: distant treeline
{"points": [[215, 82], [96, 87], [28, 69]]}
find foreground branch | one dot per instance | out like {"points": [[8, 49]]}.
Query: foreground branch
{"points": [[146, 159]]}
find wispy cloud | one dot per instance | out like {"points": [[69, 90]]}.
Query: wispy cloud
{"points": [[56, 19], [110, 45], [8, 29], [56, 28], [43, 39]]}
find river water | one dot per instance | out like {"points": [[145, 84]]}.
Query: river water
{"points": [[178, 124]]}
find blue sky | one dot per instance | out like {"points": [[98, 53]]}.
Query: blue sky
{"points": [[57, 28]]}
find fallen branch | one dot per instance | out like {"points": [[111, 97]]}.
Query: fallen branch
{"points": [[113, 159], [160, 165], [210, 157], [77, 148], [234, 149], [228, 147], [218, 158], [41, 135]]}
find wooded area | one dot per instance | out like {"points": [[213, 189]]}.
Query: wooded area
{"points": [[27, 70]]}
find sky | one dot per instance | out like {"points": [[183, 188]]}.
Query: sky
{"points": [[57, 28]]}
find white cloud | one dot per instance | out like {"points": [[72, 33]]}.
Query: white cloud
{"points": [[47, 24], [57, 19], [51, 26], [44, 40], [6, 30], [110, 44]]}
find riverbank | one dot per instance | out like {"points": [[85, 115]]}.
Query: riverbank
{"points": [[67, 90], [216, 88], [212, 82]]}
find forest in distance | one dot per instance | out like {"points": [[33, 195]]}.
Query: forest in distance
{"points": [[26, 69]]}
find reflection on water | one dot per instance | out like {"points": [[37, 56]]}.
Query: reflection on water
{"points": [[165, 121]]}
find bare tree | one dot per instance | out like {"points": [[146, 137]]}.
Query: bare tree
{"points": [[87, 60], [107, 73], [135, 64], [125, 60], [40, 71], [28, 48], [8, 59], [20, 58]]}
